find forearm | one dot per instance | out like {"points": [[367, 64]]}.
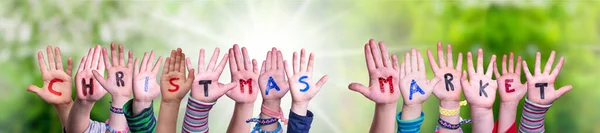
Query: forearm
{"points": [[79, 116], [273, 105], [450, 105], [507, 115], [63, 112], [139, 106], [168, 117], [483, 119], [241, 113], [384, 118], [117, 121]]}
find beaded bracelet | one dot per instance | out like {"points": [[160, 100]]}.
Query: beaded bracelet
{"points": [[452, 112], [115, 131], [261, 121], [451, 126], [115, 109], [257, 129]]}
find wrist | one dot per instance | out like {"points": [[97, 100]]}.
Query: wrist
{"points": [[119, 101], [300, 108], [509, 104], [412, 111], [64, 105], [272, 104], [450, 104], [480, 111], [139, 106]]}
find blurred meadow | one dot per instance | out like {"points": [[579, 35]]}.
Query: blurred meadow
{"points": [[334, 30]]}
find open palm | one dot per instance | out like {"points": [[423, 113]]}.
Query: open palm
{"points": [[511, 89], [446, 91], [478, 80], [209, 76], [59, 92], [118, 83], [242, 70], [544, 80], [414, 85], [145, 87], [88, 89], [302, 87], [272, 68], [173, 84]]}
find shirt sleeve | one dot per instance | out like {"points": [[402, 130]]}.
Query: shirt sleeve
{"points": [[532, 119], [298, 123], [145, 122], [196, 116]]}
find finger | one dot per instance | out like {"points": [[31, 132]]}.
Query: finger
{"points": [[322, 81], [144, 63], [188, 63], [130, 59], [59, 65], [273, 58], [504, 68], [96, 57], [263, 67], [402, 71], [357, 87], [254, 66], [395, 62], [81, 65], [288, 72], [88, 60], [413, 60], [538, 57], [177, 61], [450, 61], [34, 89], [421, 62], [121, 55], [440, 54], [518, 67], [238, 57], [496, 71], [247, 59], [280, 61], [302, 60], [459, 62], [465, 83], [149, 62], [42, 63], [227, 87], [558, 67], [470, 67], [489, 70], [369, 58], [376, 53], [99, 78], [311, 59], [69, 70], [407, 67], [432, 63], [157, 65], [201, 67], [563, 90], [267, 61], [213, 60], [182, 63], [113, 54], [50, 54], [384, 54], [433, 82], [190, 77], [511, 63], [221, 66], [136, 68], [549, 63], [167, 66], [526, 69], [480, 61], [232, 62], [295, 63], [106, 63], [100, 66]]}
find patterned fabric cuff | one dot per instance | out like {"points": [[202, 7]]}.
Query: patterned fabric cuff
{"points": [[196, 116], [145, 122], [532, 119]]}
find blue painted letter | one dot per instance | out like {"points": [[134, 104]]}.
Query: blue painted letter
{"points": [[304, 82], [414, 88], [270, 85]]}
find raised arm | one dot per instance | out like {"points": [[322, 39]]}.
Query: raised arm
{"points": [[57, 83], [206, 89], [273, 86], [480, 91], [449, 90], [383, 90], [510, 93], [245, 74], [415, 89], [303, 89], [173, 87], [540, 93], [88, 92]]}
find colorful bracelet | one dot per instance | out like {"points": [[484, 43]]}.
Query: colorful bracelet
{"points": [[257, 129], [452, 112], [410, 126], [115, 109], [275, 114], [115, 131], [451, 126], [261, 121]]}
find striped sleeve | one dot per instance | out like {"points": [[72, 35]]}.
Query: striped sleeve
{"points": [[532, 119], [145, 122], [196, 116]]}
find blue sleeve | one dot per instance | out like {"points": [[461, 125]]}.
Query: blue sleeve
{"points": [[298, 123]]}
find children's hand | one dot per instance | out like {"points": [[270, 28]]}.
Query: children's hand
{"points": [[174, 86], [206, 86], [513, 90], [480, 89], [303, 88], [448, 89], [273, 84], [541, 85], [383, 75], [244, 74], [88, 89], [57, 83], [145, 87], [119, 79], [414, 85]]}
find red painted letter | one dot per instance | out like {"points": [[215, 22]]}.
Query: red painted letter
{"points": [[507, 85], [248, 82], [388, 80], [176, 86], [52, 83]]}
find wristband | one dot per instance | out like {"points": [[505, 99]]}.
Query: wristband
{"points": [[448, 125], [261, 121], [257, 129], [452, 112], [115, 131], [410, 126], [115, 109], [274, 114]]}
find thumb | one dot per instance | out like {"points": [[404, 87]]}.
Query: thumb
{"points": [[321, 81], [465, 83], [190, 76], [34, 89], [226, 87], [563, 90], [359, 88], [99, 78], [434, 82]]}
